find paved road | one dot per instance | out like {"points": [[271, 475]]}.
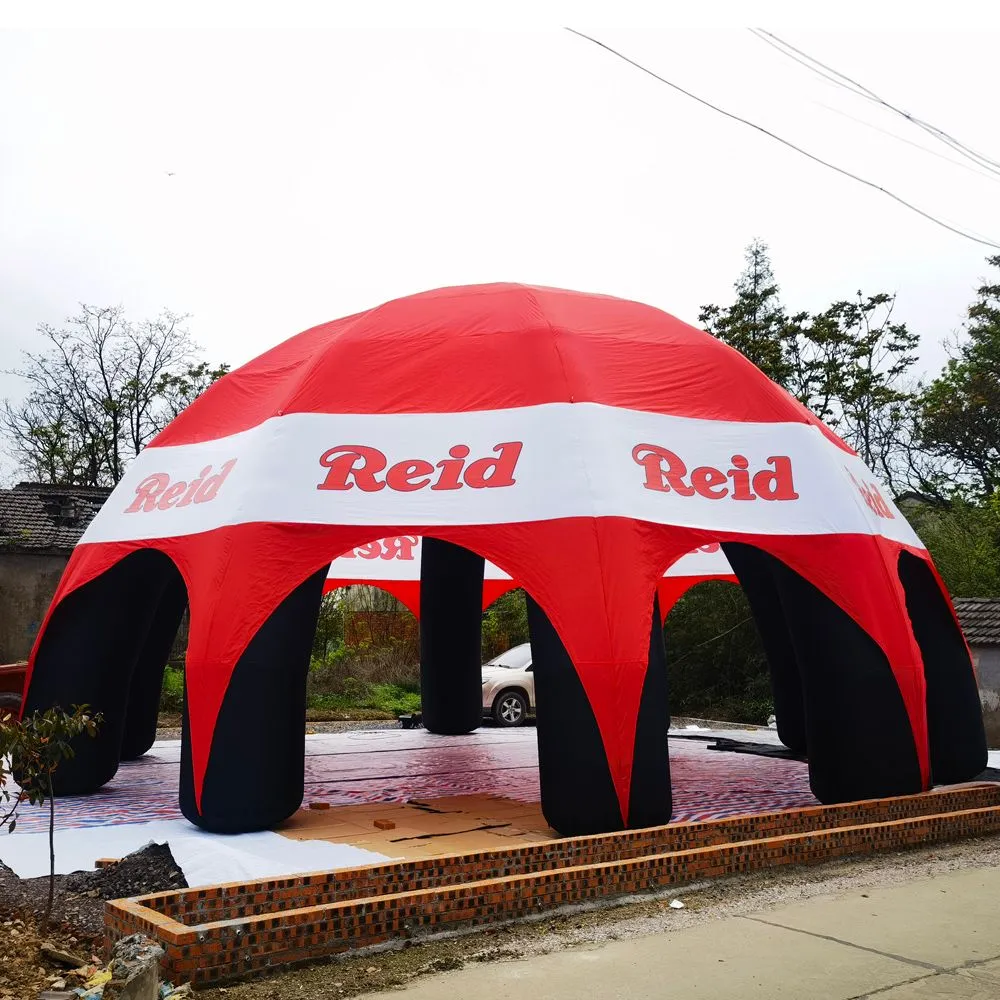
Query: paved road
{"points": [[936, 937]]}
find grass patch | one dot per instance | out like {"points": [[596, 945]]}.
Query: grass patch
{"points": [[391, 700], [349, 715]]}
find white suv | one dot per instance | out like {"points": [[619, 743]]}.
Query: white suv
{"points": [[509, 686]]}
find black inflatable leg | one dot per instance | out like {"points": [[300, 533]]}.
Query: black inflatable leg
{"points": [[147, 676], [87, 656], [755, 571], [650, 798], [860, 743], [956, 733], [256, 767], [451, 622], [578, 795]]}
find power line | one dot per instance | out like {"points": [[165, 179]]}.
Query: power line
{"points": [[859, 89], [832, 75], [972, 168], [791, 145]]}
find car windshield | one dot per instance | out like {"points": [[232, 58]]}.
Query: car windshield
{"points": [[514, 659]]}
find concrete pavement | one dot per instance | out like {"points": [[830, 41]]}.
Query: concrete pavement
{"points": [[936, 937]]}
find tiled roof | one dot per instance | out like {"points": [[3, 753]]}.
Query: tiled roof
{"points": [[980, 618], [38, 516]]}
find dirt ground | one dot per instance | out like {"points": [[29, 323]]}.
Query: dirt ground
{"points": [[24, 970], [581, 927], [78, 917]]}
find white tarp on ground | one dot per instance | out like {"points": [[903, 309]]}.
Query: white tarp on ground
{"points": [[204, 858]]}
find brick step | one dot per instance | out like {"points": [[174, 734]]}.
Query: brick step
{"points": [[242, 900], [315, 916]]}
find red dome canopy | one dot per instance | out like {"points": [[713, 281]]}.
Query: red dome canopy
{"points": [[581, 443]]}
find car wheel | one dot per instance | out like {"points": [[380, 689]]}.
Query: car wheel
{"points": [[510, 709], [10, 705]]}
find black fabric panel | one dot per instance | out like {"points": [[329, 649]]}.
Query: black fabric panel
{"points": [[578, 795], [87, 655], [755, 571], [451, 623], [650, 800], [860, 744], [954, 715], [147, 676], [255, 775]]}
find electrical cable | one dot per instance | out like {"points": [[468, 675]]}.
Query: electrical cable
{"points": [[972, 168], [859, 89], [791, 145]]}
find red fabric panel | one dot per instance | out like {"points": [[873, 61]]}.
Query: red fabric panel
{"points": [[672, 588], [594, 577], [502, 346], [407, 592]]}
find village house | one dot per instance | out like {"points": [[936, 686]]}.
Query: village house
{"points": [[980, 619], [39, 525]]}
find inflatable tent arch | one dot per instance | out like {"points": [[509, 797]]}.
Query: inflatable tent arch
{"points": [[582, 443], [393, 565]]}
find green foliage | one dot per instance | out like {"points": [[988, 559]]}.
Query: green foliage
{"points": [[849, 363], [172, 693], [386, 699], [329, 637], [32, 749], [178, 389], [505, 624], [960, 409], [964, 541], [368, 678], [755, 324], [715, 662], [866, 358]]}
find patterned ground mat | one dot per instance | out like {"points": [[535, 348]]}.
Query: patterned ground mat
{"points": [[391, 766]]}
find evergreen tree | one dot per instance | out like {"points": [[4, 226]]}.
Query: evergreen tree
{"points": [[756, 323], [849, 363]]}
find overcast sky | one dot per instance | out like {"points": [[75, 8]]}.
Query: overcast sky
{"points": [[267, 180]]}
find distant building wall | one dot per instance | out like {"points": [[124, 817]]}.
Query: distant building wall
{"points": [[987, 661], [27, 582]]}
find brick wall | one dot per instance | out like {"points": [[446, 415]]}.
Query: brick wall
{"points": [[27, 582], [224, 932]]}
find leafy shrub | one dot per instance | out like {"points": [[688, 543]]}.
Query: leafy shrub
{"points": [[360, 679], [31, 750], [715, 663], [172, 693], [505, 624]]}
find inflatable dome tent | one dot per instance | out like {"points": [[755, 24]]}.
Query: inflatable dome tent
{"points": [[583, 444]]}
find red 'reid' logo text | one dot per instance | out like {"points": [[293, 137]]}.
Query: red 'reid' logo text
{"points": [[368, 469], [157, 492], [393, 547], [872, 496], [666, 472]]}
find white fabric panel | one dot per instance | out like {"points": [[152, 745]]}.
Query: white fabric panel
{"points": [[571, 460]]}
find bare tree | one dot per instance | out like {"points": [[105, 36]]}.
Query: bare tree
{"points": [[99, 392]]}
